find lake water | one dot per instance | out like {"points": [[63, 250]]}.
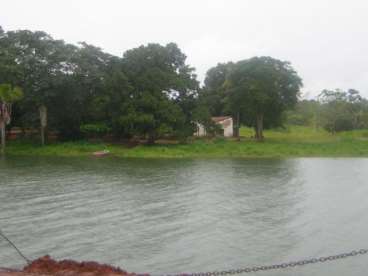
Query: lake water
{"points": [[166, 216]]}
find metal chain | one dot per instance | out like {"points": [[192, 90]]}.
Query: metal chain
{"points": [[5, 269], [273, 267], [15, 247]]}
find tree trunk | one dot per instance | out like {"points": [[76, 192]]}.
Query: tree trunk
{"points": [[42, 135], [2, 129], [151, 139], [259, 127], [43, 121]]}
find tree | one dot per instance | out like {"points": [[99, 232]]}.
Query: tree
{"points": [[260, 89], [150, 92], [81, 90], [61, 81], [8, 95], [40, 63], [342, 110], [9, 69], [214, 92], [111, 102], [164, 89]]}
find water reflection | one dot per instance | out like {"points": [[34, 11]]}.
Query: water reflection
{"points": [[181, 215]]}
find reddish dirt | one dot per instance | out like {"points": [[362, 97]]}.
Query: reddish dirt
{"points": [[46, 266]]}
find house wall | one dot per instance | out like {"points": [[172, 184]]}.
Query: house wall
{"points": [[201, 131], [228, 127]]}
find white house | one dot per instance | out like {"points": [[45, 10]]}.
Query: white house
{"points": [[226, 123]]}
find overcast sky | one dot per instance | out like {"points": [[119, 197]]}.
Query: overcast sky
{"points": [[326, 41]]}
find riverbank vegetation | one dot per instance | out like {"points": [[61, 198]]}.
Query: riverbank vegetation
{"points": [[293, 141], [80, 93], [150, 92]]}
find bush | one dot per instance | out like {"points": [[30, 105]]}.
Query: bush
{"points": [[95, 130], [339, 124]]}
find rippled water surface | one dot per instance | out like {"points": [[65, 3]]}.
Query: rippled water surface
{"points": [[187, 215]]}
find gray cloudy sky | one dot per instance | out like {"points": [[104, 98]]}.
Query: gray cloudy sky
{"points": [[326, 41]]}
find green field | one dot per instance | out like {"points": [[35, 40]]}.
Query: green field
{"points": [[278, 143]]}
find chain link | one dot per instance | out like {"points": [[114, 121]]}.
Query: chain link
{"points": [[272, 267]]}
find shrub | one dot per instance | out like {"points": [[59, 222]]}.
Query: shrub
{"points": [[95, 130]]}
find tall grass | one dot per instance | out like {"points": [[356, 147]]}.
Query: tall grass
{"points": [[287, 142]]}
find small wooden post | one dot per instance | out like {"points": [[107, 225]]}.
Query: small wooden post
{"points": [[2, 129]]}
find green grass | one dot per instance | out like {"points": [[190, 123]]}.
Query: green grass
{"points": [[279, 143]]}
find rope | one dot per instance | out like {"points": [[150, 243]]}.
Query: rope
{"points": [[15, 247]]}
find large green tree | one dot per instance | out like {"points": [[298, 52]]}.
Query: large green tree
{"points": [[38, 63], [164, 88], [260, 89], [61, 81], [79, 95], [214, 92]]}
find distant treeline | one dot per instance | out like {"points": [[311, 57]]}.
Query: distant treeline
{"points": [[333, 110], [151, 92]]}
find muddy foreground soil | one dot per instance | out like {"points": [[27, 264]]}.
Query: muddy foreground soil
{"points": [[46, 266]]}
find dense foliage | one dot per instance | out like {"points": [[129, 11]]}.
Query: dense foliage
{"points": [[149, 92]]}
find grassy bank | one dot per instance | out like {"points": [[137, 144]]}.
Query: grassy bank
{"points": [[289, 142]]}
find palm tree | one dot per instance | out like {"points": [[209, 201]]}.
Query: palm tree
{"points": [[8, 95]]}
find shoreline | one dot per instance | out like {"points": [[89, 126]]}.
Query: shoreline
{"points": [[196, 150], [291, 142]]}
